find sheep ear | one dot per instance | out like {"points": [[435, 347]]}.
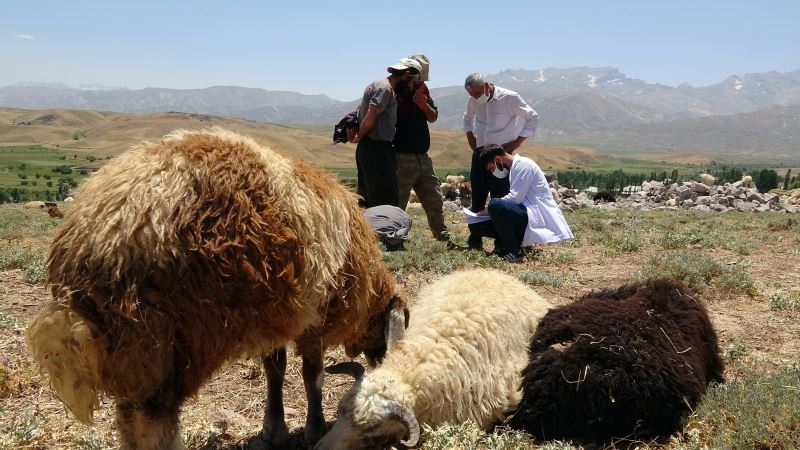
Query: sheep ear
{"points": [[352, 368], [395, 327]]}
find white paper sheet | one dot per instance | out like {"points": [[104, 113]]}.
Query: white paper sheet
{"points": [[471, 217]]}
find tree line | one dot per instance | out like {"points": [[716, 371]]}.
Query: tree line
{"points": [[616, 181]]}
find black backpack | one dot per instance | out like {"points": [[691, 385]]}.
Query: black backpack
{"points": [[350, 120]]}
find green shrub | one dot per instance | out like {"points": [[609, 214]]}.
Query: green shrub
{"points": [[14, 257], [756, 412], [672, 240], [36, 271], [539, 278], [468, 436], [427, 254], [737, 244], [5, 383], [7, 322], [698, 271], [559, 257], [784, 302], [596, 224], [735, 353], [706, 237], [629, 242], [89, 442], [23, 430]]}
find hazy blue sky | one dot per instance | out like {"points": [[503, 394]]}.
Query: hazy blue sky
{"points": [[337, 47]]}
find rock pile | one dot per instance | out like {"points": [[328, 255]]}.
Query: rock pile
{"points": [[691, 195]]}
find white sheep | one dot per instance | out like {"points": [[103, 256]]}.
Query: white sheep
{"points": [[555, 194], [37, 204], [461, 360], [455, 180], [747, 181], [708, 179]]}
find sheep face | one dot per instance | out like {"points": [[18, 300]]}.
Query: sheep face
{"points": [[366, 419], [382, 330]]}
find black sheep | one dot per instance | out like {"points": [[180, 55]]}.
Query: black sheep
{"points": [[605, 196], [626, 363]]}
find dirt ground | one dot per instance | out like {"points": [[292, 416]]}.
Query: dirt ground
{"points": [[228, 411]]}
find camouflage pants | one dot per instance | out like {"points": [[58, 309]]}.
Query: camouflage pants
{"points": [[415, 170]]}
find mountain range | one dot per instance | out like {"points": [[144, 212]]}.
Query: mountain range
{"points": [[752, 114]]}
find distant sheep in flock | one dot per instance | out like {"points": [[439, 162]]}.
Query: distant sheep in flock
{"points": [[455, 180], [460, 360], [465, 190], [708, 179], [455, 187], [194, 250], [628, 363], [604, 196], [35, 204], [747, 182], [54, 212], [448, 191]]}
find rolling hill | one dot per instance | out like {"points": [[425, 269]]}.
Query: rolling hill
{"points": [[769, 134], [104, 134]]}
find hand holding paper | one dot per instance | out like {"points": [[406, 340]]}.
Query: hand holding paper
{"points": [[472, 217]]}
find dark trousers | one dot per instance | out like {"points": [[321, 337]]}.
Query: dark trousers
{"points": [[484, 183], [507, 227], [377, 173]]}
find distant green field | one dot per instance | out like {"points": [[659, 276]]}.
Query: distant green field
{"points": [[35, 164], [39, 173], [351, 173], [631, 165], [27, 172]]}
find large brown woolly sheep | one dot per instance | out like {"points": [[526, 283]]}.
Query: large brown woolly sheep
{"points": [[460, 360], [311, 347], [625, 363], [191, 251]]}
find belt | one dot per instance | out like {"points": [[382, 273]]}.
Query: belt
{"points": [[375, 140]]}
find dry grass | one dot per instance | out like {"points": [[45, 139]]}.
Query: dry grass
{"points": [[108, 134], [759, 328]]}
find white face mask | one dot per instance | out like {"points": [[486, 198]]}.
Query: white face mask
{"points": [[483, 99], [500, 171]]}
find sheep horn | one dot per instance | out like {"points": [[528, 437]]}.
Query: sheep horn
{"points": [[406, 417], [352, 368]]}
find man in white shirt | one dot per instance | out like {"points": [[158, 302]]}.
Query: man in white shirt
{"points": [[494, 116], [526, 215]]}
